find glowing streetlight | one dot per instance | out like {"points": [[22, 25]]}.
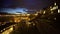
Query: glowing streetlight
{"points": [[58, 10], [54, 3], [36, 14], [50, 7], [44, 12], [11, 28], [28, 14]]}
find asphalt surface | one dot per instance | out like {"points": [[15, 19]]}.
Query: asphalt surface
{"points": [[41, 27]]}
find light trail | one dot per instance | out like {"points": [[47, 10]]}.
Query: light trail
{"points": [[8, 31]]}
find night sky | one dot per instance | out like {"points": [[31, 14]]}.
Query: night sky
{"points": [[14, 6]]}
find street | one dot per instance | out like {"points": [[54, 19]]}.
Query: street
{"points": [[39, 28]]}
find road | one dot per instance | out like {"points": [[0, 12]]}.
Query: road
{"points": [[24, 29], [40, 27]]}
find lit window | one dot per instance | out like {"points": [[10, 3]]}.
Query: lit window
{"points": [[58, 10]]}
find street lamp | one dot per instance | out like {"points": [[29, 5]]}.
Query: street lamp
{"points": [[44, 12], [28, 14], [36, 14], [58, 10], [54, 3]]}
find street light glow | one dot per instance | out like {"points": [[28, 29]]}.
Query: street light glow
{"points": [[54, 3], [58, 10], [36, 14], [44, 12], [28, 14]]}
